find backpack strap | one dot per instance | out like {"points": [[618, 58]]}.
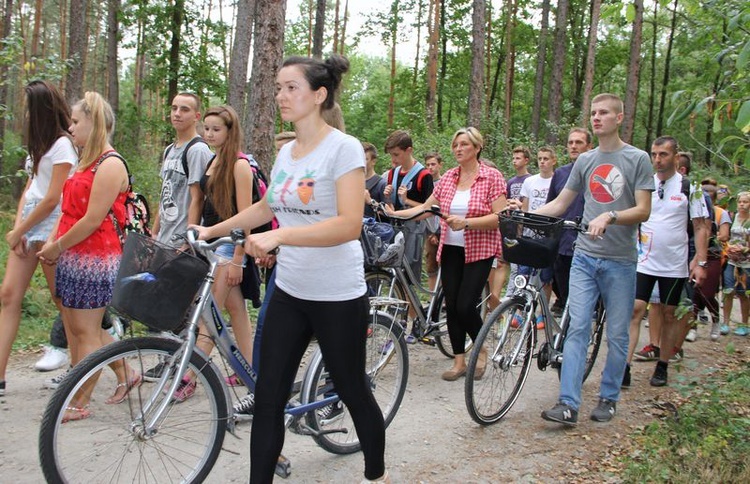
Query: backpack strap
{"points": [[185, 166], [395, 183]]}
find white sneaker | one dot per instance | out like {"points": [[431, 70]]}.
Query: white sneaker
{"points": [[715, 331], [53, 359], [692, 335]]}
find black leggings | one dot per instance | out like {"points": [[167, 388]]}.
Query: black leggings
{"points": [[462, 285], [341, 329]]}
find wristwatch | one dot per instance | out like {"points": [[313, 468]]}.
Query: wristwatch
{"points": [[702, 263], [612, 217]]}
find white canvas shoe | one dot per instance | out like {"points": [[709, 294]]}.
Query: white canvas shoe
{"points": [[53, 359]]}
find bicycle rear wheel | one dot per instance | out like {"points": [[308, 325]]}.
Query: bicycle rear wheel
{"points": [[509, 351], [595, 341], [387, 365], [381, 283], [110, 444]]}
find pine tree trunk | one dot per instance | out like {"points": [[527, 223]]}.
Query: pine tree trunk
{"points": [[476, 81], [665, 79], [38, 14], [240, 56], [420, 9], [178, 16], [443, 65], [432, 63], [320, 21], [652, 81], [113, 80], [554, 110], [76, 50], [336, 26], [541, 62], [6, 26], [394, 42], [267, 56], [588, 83], [634, 71], [510, 65], [342, 40]]}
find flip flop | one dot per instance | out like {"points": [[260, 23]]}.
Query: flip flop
{"points": [[135, 382], [76, 413]]}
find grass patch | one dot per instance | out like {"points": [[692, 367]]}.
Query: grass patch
{"points": [[708, 439]]}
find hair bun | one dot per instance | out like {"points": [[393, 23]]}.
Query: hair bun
{"points": [[337, 65]]}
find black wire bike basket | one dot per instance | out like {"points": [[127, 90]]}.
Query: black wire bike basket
{"points": [[156, 283], [530, 239], [376, 237]]}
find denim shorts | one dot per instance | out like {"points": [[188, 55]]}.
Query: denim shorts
{"points": [[226, 251], [41, 231]]}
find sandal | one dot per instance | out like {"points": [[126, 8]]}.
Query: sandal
{"points": [[234, 381], [134, 383], [76, 413]]}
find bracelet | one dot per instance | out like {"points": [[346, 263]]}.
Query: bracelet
{"points": [[237, 265], [59, 246]]}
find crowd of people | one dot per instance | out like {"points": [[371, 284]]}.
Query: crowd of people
{"points": [[654, 238]]}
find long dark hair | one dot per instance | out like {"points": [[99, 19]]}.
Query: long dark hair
{"points": [[221, 186], [322, 73], [48, 119]]}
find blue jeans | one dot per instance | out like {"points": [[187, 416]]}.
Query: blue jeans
{"points": [[614, 280]]}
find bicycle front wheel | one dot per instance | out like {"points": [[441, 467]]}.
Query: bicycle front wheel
{"points": [[387, 366], [509, 341], [110, 443]]}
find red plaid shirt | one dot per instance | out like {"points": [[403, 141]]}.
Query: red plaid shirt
{"points": [[488, 186]]}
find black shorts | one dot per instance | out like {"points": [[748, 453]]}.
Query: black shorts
{"points": [[670, 288]]}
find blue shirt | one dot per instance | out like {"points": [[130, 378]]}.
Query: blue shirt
{"points": [[575, 210]]}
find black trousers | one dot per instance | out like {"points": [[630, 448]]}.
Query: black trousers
{"points": [[462, 286], [341, 330]]}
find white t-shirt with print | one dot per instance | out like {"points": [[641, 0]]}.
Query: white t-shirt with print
{"points": [[62, 151], [535, 189], [303, 192], [663, 244]]}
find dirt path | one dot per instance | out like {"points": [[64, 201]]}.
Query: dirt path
{"points": [[432, 439]]}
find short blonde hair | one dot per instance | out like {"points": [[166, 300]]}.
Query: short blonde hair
{"points": [[473, 134], [614, 98]]}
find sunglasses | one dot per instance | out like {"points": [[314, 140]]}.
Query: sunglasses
{"points": [[660, 190]]}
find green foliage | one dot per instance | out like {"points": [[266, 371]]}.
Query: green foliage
{"points": [[709, 441]]}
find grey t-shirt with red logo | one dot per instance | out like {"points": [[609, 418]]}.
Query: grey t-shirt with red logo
{"points": [[609, 182]]}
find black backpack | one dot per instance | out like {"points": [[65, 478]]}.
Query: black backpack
{"points": [[185, 166]]}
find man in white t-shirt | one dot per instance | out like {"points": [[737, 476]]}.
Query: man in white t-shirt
{"points": [[533, 195], [663, 253]]}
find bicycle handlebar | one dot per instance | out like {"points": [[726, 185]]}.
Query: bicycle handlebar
{"points": [[380, 207]]}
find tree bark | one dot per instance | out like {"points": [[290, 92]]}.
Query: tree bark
{"points": [[652, 81], [432, 63], [588, 83], [178, 16], [420, 9], [240, 56], [665, 79], [342, 40], [510, 65], [476, 81], [76, 50], [267, 56], [394, 41], [336, 26], [7, 26], [443, 65], [320, 21], [113, 79], [38, 14], [634, 70], [541, 62], [554, 110]]}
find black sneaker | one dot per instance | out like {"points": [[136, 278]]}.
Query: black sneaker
{"points": [[561, 413], [153, 374], [659, 379], [2, 388], [604, 411], [626, 377], [331, 413], [243, 409]]}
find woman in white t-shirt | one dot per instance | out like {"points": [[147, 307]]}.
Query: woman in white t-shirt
{"points": [[52, 159], [320, 287]]}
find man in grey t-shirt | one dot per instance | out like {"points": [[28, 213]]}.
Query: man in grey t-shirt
{"points": [[616, 181], [181, 200]]}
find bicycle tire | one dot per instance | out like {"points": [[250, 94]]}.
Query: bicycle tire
{"points": [[387, 364], [442, 340], [107, 447], [595, 342], [381, 283], [490, 398]]}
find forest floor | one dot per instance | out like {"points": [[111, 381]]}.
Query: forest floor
{"points": [[432, 438]]}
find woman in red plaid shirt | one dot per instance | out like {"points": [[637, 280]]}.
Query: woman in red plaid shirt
{"points": [[469, 197]]}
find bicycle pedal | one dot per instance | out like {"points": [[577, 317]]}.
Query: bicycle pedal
{"points": [[427, 341]]}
